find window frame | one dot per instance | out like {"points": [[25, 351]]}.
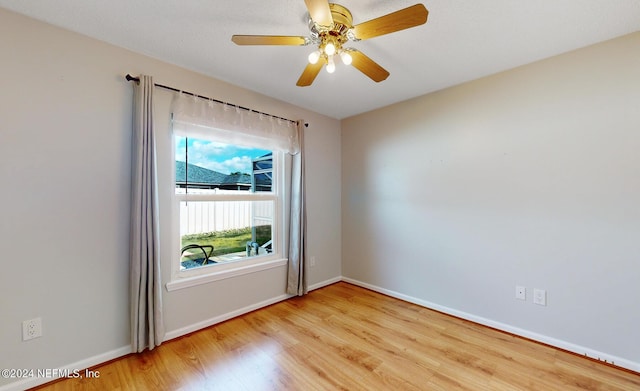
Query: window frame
{"points": [[205, 274]]}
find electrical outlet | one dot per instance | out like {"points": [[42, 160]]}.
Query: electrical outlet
{"points": [[540, 296], [312, 261], [31, 329], [521, 293]]}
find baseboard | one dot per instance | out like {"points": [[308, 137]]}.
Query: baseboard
{"points": [[324, 283], [570, 347], [78, 366], [230, 315], [221, 318]]}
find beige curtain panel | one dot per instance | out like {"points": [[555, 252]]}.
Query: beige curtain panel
{"points": [[297, 275], [147, 328]]}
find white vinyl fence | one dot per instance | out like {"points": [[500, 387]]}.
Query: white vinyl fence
{"points": [[210, 216]]}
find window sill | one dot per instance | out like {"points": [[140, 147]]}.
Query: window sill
{"points": [[187, 282]]}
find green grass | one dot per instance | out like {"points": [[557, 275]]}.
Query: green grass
{"points": [[229, 241]]}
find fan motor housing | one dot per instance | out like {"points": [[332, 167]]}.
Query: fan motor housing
{"points": [[341, 15]]}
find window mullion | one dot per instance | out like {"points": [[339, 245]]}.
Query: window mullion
{"points": [[227, 197]]}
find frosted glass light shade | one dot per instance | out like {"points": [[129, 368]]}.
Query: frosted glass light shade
{"points": [[346, 58], [330, 49], [314, 57], [331, 66]]}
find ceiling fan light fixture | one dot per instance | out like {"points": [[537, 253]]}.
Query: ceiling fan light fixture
{"points": [[330, 49], [346, 57], [314, 57], [330, 27], [331, 65]]}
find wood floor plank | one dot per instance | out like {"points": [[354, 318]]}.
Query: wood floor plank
{"points": [[343, 337]]}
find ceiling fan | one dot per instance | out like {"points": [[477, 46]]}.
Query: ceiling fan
{"points": [[331, 26]]}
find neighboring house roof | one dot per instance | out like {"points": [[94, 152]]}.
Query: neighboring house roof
{"points": [[201, 175], [197, 174], [237, 178]]}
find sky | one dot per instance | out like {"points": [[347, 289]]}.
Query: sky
{"points": [[224, 158]]}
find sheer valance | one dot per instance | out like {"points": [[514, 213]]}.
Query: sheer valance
{"points": [[207, 119]]}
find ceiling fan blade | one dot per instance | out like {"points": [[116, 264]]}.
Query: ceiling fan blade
{"points": [[320, 12], [367, 66], [268, 40], [395, 21], [309, 74]]}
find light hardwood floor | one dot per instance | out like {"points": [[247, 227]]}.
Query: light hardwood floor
{"points": [[343, 337]]}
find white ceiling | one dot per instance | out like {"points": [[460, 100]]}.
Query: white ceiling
{"points": [[462, 40]]}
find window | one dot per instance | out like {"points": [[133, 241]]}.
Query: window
{"points": [[229, 198], [229, 191]]}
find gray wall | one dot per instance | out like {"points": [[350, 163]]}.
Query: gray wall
{"points": [[528, 177], [65, 153]]}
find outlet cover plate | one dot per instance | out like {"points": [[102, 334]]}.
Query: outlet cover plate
{"points": [[31, 329], [540, 296]]}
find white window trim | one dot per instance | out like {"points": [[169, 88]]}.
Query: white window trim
{"points": [[181, 279], [238, 270]]}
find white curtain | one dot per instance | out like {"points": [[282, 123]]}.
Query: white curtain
{"points": [[147, 328], [204, 118], [297, 275]]}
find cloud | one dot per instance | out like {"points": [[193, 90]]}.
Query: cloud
{"points": [[216, 156], [235, 164], [224, 158]]}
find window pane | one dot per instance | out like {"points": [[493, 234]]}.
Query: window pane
{"points": [[203, 166], [224, 231], [263, 182], [263, 162]]}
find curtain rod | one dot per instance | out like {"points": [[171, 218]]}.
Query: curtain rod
{"points": [[137, 79]]}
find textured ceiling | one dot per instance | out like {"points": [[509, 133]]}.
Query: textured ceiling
{"points": [[462, 40]]}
